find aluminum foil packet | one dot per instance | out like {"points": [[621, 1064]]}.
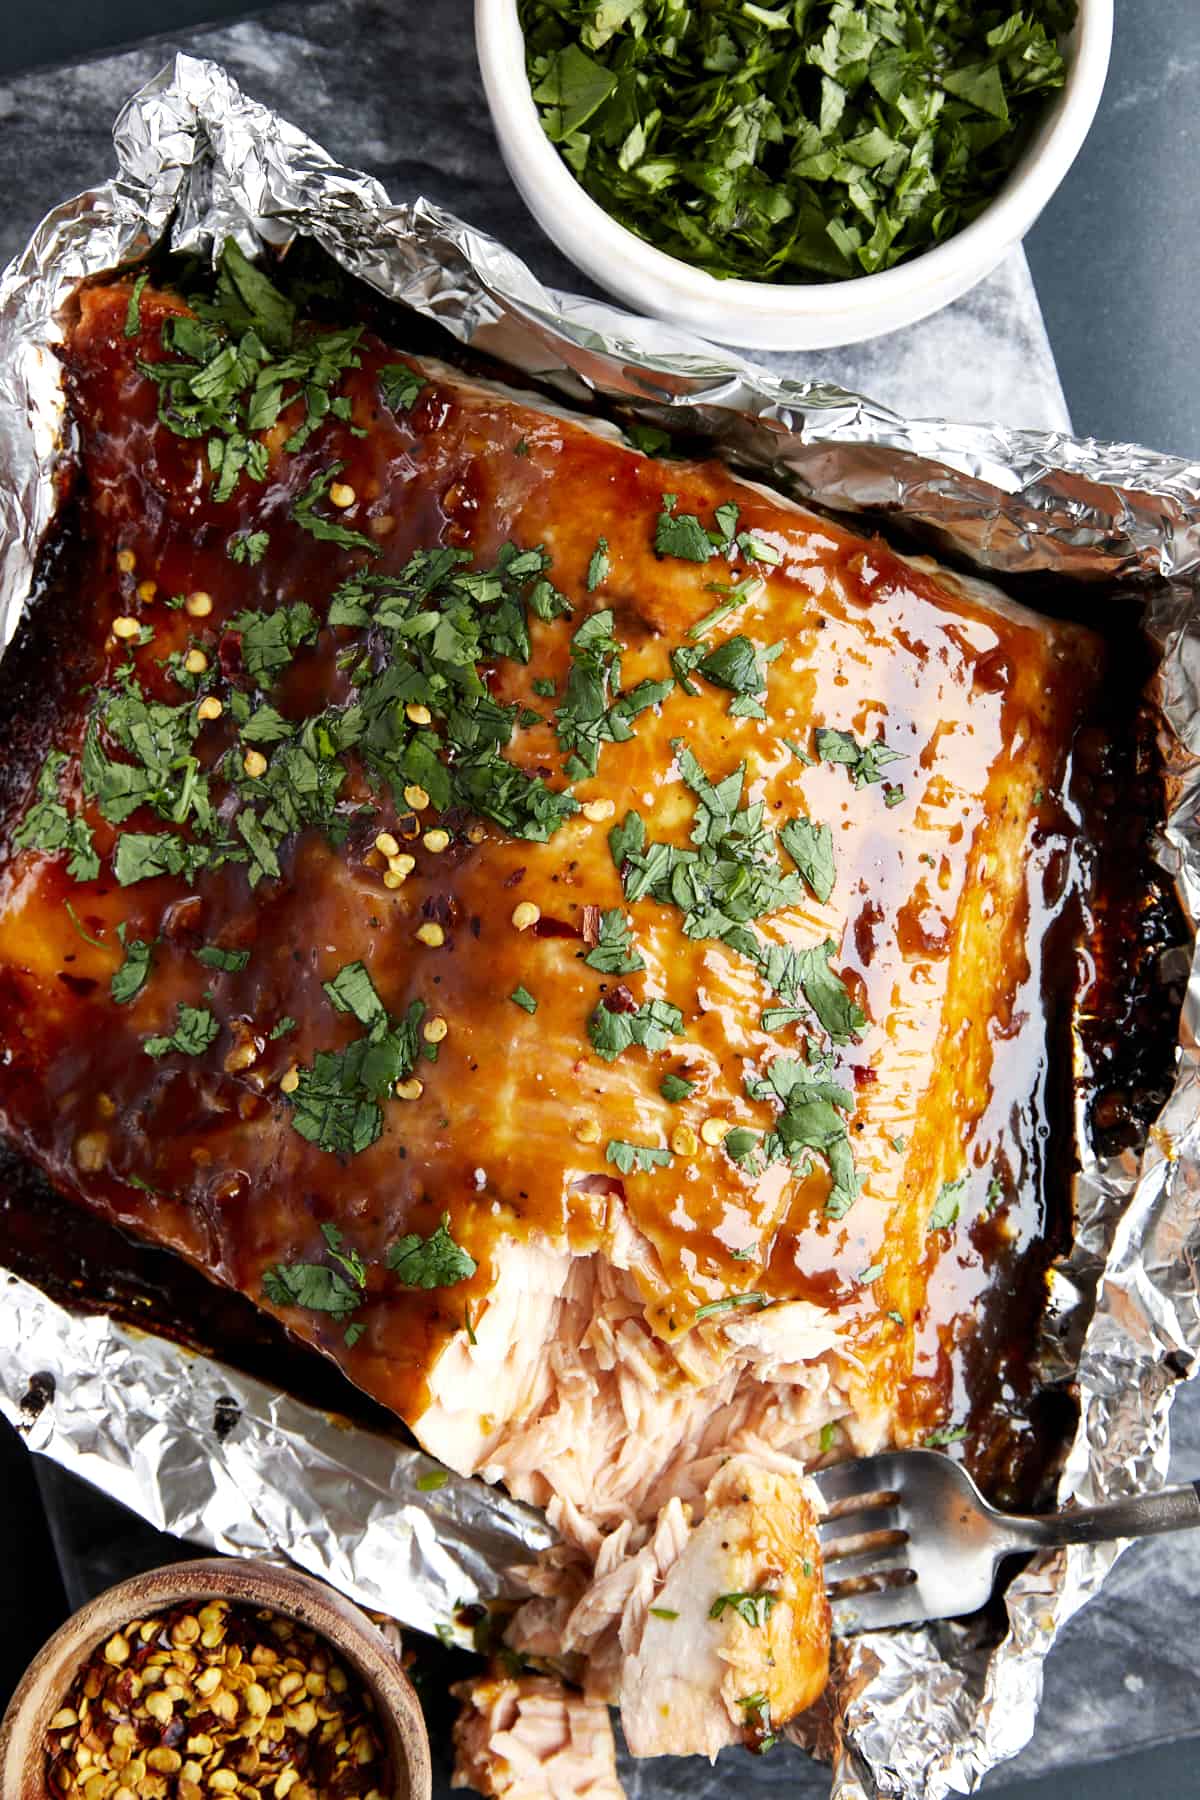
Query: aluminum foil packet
{"points": [[212, 1455]]}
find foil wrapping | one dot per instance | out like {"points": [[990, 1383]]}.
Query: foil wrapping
{"points": [[205, 1452]]}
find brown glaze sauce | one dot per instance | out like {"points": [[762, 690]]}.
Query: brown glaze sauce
{"points": [[957, 916]]}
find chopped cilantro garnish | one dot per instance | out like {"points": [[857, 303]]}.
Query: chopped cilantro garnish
{"points": [[598, 567], [613, 952], [133, 313], [591, 713], [828, 1436], [681, 534], [248, 546], [270, 640], [214, 957], [49, 826], [792, 143], [636, 1158], [747, 589], [335, 1103], [282, 1027], [812, 1120], [729, 1303], [945, 1434], [328, 530], [648, 439], [544, 686], [674, 1088], [864, 762], [662, 1612], [649, 1026], [130, 978], [400, 385], [195, 1029], [435, 1261], [947, 1205], [320, 1288], [811, 849], [755, 1608], [871, 1274], [77, 925], [353, 991], [522, 997]]}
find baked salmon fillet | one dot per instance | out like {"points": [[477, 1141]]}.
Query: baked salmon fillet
{"points": [[562, 929]]}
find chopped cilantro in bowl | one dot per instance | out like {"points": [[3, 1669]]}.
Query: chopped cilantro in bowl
{"points": [[766, 200], [816, 140]]}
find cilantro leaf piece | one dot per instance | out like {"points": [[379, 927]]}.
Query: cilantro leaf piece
{"points": [[755, 1608], [636, 1158], [947, 1205], [648, 439], [748, 589], [435, 1261], [314, 1286], [613, 952], [675, 1088], [598, 566], [133, 314], [248, 546], [282, 1027], [319, 1288], [522, 997], [734, 665], [352, 991], [680, 534], [329, 1106], [811, 849], [328, 530], [266, 726], [400, 386], [270, 640], [648, 1026], [663, 1612], [214, 957], [195, 1029], [48, 826], [943, 1435], [590, 713], [248, 300], [729, 1303], [131, 977], [571, 87], [828, 995], [865, 762]]}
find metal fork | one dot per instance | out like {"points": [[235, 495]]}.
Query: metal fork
{"points": [[909, 1537]]}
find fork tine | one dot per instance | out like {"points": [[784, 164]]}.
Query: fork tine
{"points": [[855, 1478], [856, 1521], [870, 1559]]}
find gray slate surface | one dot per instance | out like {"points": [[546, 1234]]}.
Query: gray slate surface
{"points": [[384, 91]]}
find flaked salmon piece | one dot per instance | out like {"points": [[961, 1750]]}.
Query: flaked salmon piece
{"points": [[529, 1737], [737, 1637]]}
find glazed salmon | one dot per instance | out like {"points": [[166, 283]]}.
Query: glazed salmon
{"points": [[563, 929]]}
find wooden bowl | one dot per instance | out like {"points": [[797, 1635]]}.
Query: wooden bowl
{"points": [[49, 1677]]}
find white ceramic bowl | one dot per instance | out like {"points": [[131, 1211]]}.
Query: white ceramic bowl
{"points": [[808, 316]]}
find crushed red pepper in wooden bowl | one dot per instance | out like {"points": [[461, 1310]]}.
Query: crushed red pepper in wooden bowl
{"points": [[187, 1704]]}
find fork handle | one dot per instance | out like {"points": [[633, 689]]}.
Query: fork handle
{"points": [[1141, 1515]]}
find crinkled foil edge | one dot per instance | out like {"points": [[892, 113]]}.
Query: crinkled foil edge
{"points": [[920, 1713]]}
